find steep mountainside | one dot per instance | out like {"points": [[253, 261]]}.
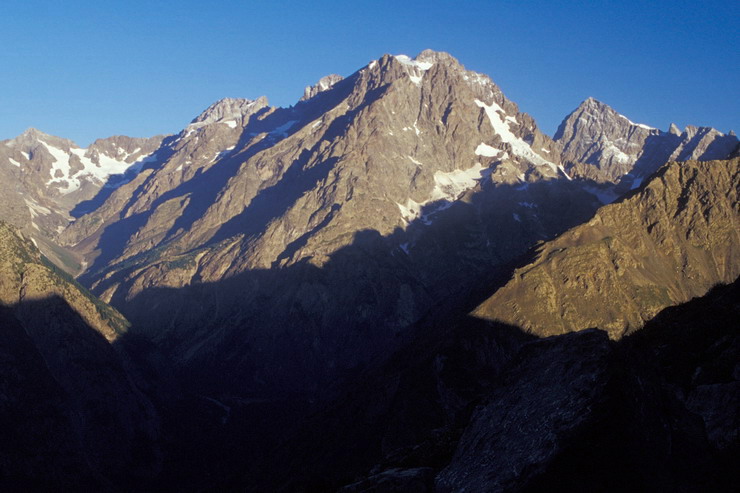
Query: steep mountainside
{"points": [[69, 412], [621, 150], [414, 175], [47, 179], [669, 241]]}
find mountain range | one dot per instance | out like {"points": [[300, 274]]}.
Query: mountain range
{"points": [[402, 256]]}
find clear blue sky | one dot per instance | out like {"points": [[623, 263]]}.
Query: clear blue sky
{"points": [[88, 69]]}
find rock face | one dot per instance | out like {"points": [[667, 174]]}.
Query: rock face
{"points": [[404, 175], [70, 414], [621, 150], [671, 240], [49, 178], [325, 83]]}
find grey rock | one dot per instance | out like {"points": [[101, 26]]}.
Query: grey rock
{"points": [[324, 84]]}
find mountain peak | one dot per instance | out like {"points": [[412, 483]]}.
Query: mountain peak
{"points": [[324, 84], [32, 136], [230, 109], [34, 133]]}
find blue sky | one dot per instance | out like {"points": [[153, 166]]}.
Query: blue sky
{"points": [[89, 69]]}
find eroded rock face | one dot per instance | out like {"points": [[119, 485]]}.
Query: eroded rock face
{"points": [[520, 429], [622, 150], [664, 244]]}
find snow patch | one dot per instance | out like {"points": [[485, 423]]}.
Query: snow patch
{"points": [[518, 146], [61, 163], [448, 187], [415, 69], [282, 130], [14, 162], [641, 125], [613, 152], [35, 209], [231, 123], [414, 161], [486, 150], [562, 170], [26, 155], [406, 60]]}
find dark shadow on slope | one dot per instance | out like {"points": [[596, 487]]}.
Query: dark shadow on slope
{"points": [[274, 201], [656, 152], [299, 328], [293, 247], [71, 418], [204, 187], [567, 413]]}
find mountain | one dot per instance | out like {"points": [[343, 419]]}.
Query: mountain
{"points": [[668, 241], [411, 174], [619, 149], [399, 283], [70, 414], [50, 177]]}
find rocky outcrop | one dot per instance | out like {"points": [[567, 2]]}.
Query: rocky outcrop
{"points": [[671, 240], [325, 83]]}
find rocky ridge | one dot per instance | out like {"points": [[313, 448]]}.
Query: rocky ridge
{"points": [[670, 240], [624, 151]]}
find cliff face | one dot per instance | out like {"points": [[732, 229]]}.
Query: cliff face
{"points": [[664, 244]]}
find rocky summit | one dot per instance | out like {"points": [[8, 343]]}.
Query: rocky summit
{"points": [[399, 283]]}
